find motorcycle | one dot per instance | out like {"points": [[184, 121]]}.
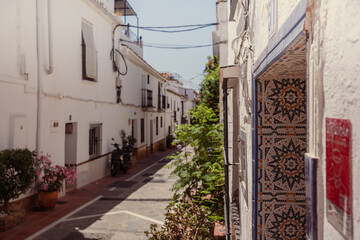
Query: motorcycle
{"points": [[120, 158]]}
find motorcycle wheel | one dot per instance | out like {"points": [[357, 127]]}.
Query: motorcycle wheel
{"points": [[126, 165], [114, 168]]}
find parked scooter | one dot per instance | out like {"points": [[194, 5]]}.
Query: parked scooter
{"points": [[120, 158]]}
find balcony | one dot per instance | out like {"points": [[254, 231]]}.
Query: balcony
{"points": [[147, 98]]}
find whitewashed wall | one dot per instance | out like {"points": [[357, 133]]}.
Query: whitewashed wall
{"points": [[65, 97], [334, 76], [258, 22], [333, 72], [18, 76]]}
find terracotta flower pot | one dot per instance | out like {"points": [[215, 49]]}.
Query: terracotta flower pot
{"points": [[47, 200]]}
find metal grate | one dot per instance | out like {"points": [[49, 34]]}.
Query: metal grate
{"points": [[122, 184], [154, 180]]}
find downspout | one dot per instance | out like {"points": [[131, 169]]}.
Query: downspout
{"points": [[226, 167], [50, 67], [39, 80]]}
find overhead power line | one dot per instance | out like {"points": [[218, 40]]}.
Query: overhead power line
{"points": [[183, 28], [170, 46]]}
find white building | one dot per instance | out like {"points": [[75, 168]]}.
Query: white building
{"points": [[71, 78], [185, 100], [289, 78]]}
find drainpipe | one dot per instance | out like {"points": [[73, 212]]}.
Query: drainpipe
{"points": [[39, 81], [50, 67], [226, 167]]}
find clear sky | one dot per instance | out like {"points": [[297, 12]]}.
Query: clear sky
{"points": [[189, 63]]}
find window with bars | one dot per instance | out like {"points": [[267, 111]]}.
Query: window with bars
{"points": [[95, 140]]}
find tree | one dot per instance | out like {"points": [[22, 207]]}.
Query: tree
{"points": [[199, 189], [209, 90]]}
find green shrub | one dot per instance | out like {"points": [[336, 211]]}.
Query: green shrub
{"points": [[200, 172], [17, 174], [183, 221]]}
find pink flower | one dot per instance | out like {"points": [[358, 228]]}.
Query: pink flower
{"points": [[44, 187], [38, 173]]}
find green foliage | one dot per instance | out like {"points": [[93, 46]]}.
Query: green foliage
{"points": [[17, 174], [200, 172], [127, 139], [209, 90], [169, 140], [183, 221], [198, 200]]}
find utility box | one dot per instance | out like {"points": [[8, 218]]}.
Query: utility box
{"points": [[19, 128]]}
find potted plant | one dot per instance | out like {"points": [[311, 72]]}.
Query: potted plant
{"points": [[51, 180], [17, 175], [127, 139]]}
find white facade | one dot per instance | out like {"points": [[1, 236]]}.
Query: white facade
{"points": [[315, 41], [48, 104]]}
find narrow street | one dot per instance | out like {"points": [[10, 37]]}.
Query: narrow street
{"points": [[124, 209]]}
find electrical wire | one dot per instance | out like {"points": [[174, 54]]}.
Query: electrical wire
{"points": [[188, 28], [170, 46], [117, 68], [180, 47], [173, 31], [180, 26]]}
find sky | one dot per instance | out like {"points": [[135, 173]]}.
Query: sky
{"points": [[189, 63]]}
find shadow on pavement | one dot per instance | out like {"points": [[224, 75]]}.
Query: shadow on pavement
{"points": [[114, 194]]}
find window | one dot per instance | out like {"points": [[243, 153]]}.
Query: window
{"points": [[157, 125], [94, 140], [148, 79], [161, 122], [147, 98], [159, 96], [89, 53], [142, 122], [163, 102]]}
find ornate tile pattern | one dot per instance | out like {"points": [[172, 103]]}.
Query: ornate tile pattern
{"points": [[281, 148]]}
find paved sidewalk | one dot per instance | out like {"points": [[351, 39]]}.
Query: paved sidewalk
{"points": [[99, 205]]}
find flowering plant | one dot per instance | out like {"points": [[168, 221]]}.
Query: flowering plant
{"points": [[51, 178]]}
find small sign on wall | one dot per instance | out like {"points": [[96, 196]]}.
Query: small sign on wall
{"points": [[338, 175]]}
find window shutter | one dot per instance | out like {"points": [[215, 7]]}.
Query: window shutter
{"points": [[90, 51]]}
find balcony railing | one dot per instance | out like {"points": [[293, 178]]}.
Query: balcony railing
{"points": [[147, 98]]}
